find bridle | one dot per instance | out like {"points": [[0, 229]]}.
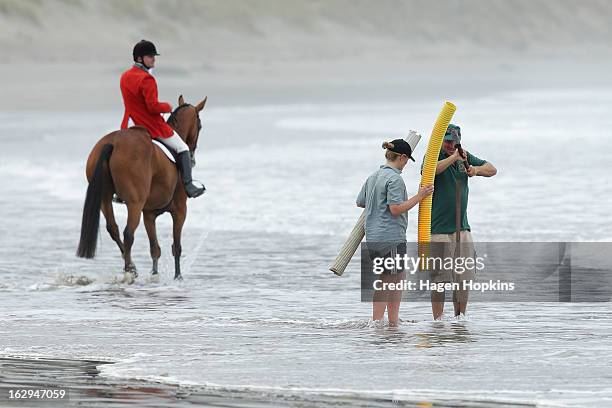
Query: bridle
{"points": [[172, 118]]}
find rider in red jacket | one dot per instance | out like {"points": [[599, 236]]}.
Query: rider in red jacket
{"points": [[142, 108]]}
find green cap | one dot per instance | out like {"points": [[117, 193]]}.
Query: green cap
{"points": [[453, 133]]}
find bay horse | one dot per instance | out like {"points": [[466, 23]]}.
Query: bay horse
{"points": [[127, 163]]}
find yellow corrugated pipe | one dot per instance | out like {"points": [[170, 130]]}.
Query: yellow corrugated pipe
{"points": [[429, 173]]}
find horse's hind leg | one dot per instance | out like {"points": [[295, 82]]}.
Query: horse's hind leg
{"points": [[111, 224], [134, 211], [149, 222]]}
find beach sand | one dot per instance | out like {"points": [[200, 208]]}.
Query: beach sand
{"points": [[85, 388], [79, 378], [69, 55]]}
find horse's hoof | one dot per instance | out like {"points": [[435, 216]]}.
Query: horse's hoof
{"points": [[132, 269], [178, 278], [129, 277], [154, 278]]}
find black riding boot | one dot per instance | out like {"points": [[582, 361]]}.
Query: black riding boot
{"points": [[184, 165]]}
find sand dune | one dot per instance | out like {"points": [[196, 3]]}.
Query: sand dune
{"points": [[243, 30], [68, 54]]}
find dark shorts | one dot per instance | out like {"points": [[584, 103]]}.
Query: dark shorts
{"points": [[369, 274], [396, 249]]}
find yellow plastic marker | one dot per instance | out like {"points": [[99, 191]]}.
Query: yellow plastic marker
{"points": [[429, 174]]}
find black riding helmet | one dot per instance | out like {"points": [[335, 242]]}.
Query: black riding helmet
{"points": [[142, 48]]}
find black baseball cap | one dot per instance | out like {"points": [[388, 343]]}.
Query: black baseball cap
{"points": [[401, 146]]}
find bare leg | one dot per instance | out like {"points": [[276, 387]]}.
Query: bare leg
{"points": [[378, 309], [379, 303], [441, 247], [437, 304], [394, 299], [178, 219], [133, 220], [149, 222], [460, 300]]}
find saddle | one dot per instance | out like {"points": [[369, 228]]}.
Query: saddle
{"points": [[169, 153]]}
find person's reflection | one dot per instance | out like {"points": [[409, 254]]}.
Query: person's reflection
{"points": [[385, 335], [440, 335]]}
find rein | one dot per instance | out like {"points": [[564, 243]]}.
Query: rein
{"points": [[172, 118]]}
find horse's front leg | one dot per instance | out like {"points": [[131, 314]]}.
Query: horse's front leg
{"points": [[149, 222], [178, 219]]}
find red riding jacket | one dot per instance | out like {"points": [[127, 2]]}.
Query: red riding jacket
{"points": [[139, 91]]}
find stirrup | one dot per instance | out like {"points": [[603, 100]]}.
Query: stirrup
{"points": [[117, 199], [194, 190]]}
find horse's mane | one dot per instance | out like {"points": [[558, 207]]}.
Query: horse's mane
{"points": [[172, 118]]}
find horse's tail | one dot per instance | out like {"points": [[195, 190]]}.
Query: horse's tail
{"points": [[91, 210]]}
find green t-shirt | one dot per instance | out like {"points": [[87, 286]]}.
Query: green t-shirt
{"points": [[443, 207]]}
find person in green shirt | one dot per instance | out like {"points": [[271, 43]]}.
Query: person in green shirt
{"points": [[455, 167]]}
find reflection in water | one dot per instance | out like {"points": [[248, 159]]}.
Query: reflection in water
{"points": [[439, 335], [125, 297]]}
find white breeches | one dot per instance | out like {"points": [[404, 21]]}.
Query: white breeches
{"points": [[175, 143]]}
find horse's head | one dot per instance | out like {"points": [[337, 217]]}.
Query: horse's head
{"points": [[185, 120]]}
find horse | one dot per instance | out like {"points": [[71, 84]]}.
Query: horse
{"points": [[127, 163]]}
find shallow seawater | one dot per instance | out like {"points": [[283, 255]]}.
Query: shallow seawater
{"points": [[259, 315]]}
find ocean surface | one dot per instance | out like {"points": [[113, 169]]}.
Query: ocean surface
{"points": [[259, 315]]}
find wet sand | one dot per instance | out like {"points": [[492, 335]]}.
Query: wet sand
{"points": [[85, 388], [81, 381]]}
